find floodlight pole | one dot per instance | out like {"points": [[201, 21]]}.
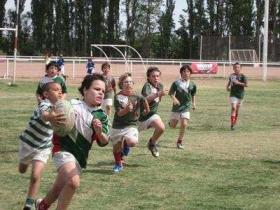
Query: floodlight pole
{"points": [[265, 40]]}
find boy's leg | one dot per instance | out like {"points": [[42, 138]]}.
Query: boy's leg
{"points": [[173, 123], [233, 115], [22, 168], [63, 189], [159, 127], [183, 126]]}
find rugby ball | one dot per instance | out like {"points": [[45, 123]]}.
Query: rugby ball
{"points": [[64, 107]]}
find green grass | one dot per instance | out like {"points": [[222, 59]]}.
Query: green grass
{"points": [[219, 169]]}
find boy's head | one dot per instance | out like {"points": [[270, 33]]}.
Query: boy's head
{"points": [[125, 79], [153, 75], [52, 69], [185, 72], [236, 67], [93, 89], [52, 91], [105, 68]]}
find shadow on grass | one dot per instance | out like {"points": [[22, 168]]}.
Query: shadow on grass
{"points": [[271, 161]]}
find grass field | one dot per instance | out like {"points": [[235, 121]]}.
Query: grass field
{"points": [[219, 169]]}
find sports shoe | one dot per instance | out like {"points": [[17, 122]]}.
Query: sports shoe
{"points": [[27, 208], [180, 146], [117, 168], [153, 148], [232, 127]]}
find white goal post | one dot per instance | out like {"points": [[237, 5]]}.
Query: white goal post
{"points": [[243, 56], [117, 48]]}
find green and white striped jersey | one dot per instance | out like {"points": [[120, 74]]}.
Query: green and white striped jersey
{"points": [[38, 133]]}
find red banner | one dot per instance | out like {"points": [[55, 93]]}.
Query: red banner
{"points": [[204, 68]]}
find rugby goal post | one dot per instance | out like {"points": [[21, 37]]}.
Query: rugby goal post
{"points": [[243, 56], [15, 43], [117, 47]]}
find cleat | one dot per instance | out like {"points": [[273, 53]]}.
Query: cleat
{"points": [[180, 146], [117, 168], [27, 208], [153, 148], [232, 127]]}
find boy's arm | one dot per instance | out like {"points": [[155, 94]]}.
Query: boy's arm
{"points": [[193, 102], [146, 106], [228, 85], [100, 137], [174, 99], [54, 118]]}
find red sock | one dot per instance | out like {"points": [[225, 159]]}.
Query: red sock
{"points": [[233, 119], [43, 205], [118, 158], [179, 141]]}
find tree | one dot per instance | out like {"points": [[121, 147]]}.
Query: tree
{"points": [[166, 24]]}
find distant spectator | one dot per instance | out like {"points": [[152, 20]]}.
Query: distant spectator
{"points": [[90, 66]]}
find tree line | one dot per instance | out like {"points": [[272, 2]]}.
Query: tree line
{"points": [[68, 27]]}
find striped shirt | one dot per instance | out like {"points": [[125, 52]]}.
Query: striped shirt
{"points": [[38, 133]]}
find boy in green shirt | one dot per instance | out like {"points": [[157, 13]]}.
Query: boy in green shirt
{"points": [[124, 133], [236, 85], [182, 93], [153, 91]]}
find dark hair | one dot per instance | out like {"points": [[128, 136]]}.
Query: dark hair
{"points": [[185, 67], [151, 70], [106, 64], [53, 63], [236, 63], [87, 81], [47, 86], [122, 78]]}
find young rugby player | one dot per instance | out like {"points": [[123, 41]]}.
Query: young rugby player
{"points": [[52, 75], [70, 153], [182, 93], [36, 140], [152, 91], [124, 133], [110, 88], [236, 85]]}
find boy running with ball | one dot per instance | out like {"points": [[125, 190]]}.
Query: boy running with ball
{"points": [[182, 93]]}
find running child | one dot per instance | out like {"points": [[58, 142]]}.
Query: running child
{"points": [[52, 75], [90, 66], [70, 153], [152, 91], [36, 140], [182, 93], [236, 85], [110, 89], [124, 133]]}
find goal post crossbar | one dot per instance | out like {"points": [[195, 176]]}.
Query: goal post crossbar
{"points": [[116, 47]]}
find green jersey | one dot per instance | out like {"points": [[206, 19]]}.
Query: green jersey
{"points": [[149, 89], [57, 79], [131, 118], [79, 141], [184, 91], [110, 84], [237, 90]]}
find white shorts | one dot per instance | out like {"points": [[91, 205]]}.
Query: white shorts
{"points": [[61, 158], [147, 123], [27, 154], [179, 115], [117, 135], [62, 70], [234, 100], [107, 102]]}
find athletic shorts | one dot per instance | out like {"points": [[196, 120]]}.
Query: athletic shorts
{"points": [[27, 154], [179, 115], [117, 135], [234, 100], [147, 123], [61, 158]]}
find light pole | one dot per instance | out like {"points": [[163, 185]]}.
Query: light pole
{"points": [[265, 40]]}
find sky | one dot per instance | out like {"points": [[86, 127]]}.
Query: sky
{"points": [[179, 5]]}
